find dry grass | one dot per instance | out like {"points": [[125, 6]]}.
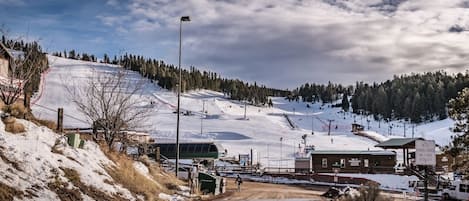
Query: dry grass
{"points": [[12, 126], [17, 110], [126, 175], [47, 123], [61, 189], [74, 177], [63, 192], [8, 193], [159, 174], [15, 127]]}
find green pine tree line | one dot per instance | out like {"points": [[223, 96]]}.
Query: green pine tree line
{"points": [[167, 76], [35, 52], [415, 97]]}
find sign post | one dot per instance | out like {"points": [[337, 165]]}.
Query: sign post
{"points": [[336, 178], [425, 156]]}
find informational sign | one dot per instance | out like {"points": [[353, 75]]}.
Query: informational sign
{"points": [[354, 162], [425, 152]]}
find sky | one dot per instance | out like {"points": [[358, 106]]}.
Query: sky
{"points": [[279, 43]]}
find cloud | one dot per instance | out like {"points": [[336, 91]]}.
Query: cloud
{"points": [[287, 43], [12, 2]]}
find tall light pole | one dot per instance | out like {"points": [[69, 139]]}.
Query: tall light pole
{"points": [[312, 120], [281, 152], [183, 19], [202, 117]]}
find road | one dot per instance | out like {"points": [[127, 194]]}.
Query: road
{"points": [[255, 191]]}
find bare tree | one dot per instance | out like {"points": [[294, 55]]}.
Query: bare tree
{"points": [[111, 101], [22, 66]]}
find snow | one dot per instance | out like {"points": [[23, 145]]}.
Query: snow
{"points": [[386, 181], [223, 119], [374, 135], [37, 163], [165, 196], [142, 169]]}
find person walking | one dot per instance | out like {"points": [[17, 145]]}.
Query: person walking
{"points": [[239, 181]]}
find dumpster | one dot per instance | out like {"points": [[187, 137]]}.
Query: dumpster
{"points": [[209, 184]]}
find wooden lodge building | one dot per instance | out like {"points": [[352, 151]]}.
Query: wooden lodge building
{"points": [[5, 61], [382, 162]]}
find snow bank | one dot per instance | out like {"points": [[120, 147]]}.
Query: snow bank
{"points": [[39, 163], [386, 181]]}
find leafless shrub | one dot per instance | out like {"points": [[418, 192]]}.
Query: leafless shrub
{"points": [[109, 101]]}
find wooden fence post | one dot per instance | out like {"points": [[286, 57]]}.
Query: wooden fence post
{"points": [[60, 120]]}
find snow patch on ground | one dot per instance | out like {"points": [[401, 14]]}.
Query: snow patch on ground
{"points": [[386, 181], [38, 165]]}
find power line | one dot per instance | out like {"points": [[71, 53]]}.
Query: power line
{"points": [[54, 110]]}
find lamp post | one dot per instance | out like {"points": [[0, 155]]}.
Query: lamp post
{"points": [[183, 19]]}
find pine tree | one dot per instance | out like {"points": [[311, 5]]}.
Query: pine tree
{"points": [[459, 111], [345, 102]]}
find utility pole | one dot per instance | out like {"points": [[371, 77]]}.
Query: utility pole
{"points": [[404, 128], [252, 158], [281, 152], [183, 19], [245, 105], [202, 117], [413, 126], [312, 120], [329, 131]]}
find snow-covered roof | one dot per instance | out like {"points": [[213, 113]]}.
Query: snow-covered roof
{"points": [[137, 133], [398, 143]]}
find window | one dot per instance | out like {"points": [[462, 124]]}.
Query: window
{"points": [[342, 163], [462, 188], [184, 148], [324, 162], [191, 148], [354, 162], [213, 148], [205, 148], [198, 148], [365, 162]]}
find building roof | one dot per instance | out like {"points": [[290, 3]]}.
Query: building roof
{"points": [[398, 143], [352, 152]]}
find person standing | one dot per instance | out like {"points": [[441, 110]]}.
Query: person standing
{"points": [[239, 181]]}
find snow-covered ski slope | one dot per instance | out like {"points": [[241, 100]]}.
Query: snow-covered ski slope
{"points": [[224, 120]]}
